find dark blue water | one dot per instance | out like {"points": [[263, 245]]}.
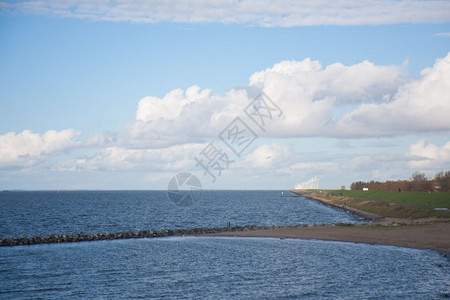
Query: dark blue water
{"points": [[222, 268], [200, 267], [33, 213]]}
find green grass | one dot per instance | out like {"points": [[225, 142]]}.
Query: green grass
{"points": [[404, 205], [411, 198]]}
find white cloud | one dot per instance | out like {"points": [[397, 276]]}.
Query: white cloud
{"points": [[445, 34], [421, 105], [310, 94], [305, 91], [174, 158], [101, 139], [345, 84], [309, 166], [28, 148], [423, 156], [181, 117], [267, 157], [283, 13], [168, 132]]}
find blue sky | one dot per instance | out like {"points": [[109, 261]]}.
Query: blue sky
{"points": [[84, 106]]}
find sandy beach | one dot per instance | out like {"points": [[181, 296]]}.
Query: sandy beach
{"points": [[424, 236]]}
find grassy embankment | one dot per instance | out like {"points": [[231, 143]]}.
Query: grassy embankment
{"points": [[405, 205]]}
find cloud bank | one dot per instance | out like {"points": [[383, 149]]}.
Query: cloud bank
{"points": [[423, 156], [339, 101], [116, 158], [27, 148], [283, 13], [419, 106], [361, 100]]}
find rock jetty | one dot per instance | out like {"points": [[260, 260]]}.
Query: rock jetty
{"points": [[80, 237]]}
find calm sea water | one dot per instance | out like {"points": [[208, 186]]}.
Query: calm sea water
{"points": [[222, 268], [200, 267], [33, 213]]}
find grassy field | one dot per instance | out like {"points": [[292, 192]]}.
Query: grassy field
{"points": [[404, 205], [411, 198]]}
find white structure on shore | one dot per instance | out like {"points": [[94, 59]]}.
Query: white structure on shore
{"points": [[312, 184]]}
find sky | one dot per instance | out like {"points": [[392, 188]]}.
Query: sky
{"points": [[243, 94]]}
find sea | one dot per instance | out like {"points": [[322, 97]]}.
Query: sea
{"points": [[200, 267]]}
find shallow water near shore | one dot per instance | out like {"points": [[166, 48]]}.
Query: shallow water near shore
{"points": [[214, 267]]}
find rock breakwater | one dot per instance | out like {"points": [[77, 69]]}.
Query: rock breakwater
{"points": [[80, 237]]}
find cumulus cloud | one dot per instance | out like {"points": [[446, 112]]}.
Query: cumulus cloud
{"points": [[345, 84], [360, 100], [181, 117], [309, 94], [283, 13], [428, 156], [420, 105], [28, 148]]}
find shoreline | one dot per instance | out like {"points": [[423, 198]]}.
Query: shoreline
{"points": [[432, 236], [425, 233], [323, 200]]}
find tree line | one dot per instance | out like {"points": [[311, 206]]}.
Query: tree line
{"points": [[417, 183]]}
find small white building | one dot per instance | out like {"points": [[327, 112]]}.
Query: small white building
{"points": [[365, 189]]}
